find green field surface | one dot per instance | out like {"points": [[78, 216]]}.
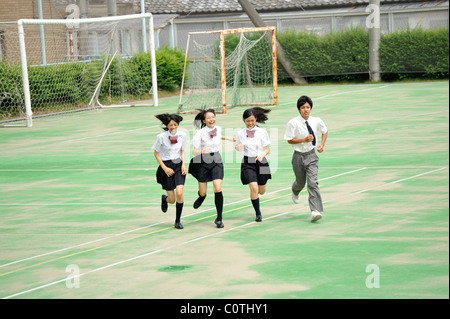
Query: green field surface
{"points": [[80, 209]]}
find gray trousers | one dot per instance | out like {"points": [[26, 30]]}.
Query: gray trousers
{"points": [[306, 168]]}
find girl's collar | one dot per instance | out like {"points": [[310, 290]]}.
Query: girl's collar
{"points": [[170, 133]]}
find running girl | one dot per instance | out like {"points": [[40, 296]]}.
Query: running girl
{"points": [[254, 142], [206, 165], [171, 174]]}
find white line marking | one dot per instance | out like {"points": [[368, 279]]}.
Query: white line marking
{"points": [[73, 169], [192, 240], [136, 257], [387, 119], [152, 225], [82, 204], [82, 274], [79, 245], [89, 137], [341, 93], [155, 168], [108, 134], [400, 180]]}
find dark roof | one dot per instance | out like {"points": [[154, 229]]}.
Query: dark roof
{"points": [[233, 6], [184, 7]]}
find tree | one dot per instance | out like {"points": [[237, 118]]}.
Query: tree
{"points": [[258, 22]]}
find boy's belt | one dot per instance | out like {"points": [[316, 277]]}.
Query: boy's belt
{"points": [[306, 153]]}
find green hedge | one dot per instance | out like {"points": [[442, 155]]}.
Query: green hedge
{"points": [[11, 88], [415, 51], [72, 84], [336, 53], [345, 55], [337, 56], [61, 84], [135, 73]]}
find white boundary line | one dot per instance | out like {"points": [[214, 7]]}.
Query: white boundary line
{"points": [[152, 225], [82, 204], [195, 239], [400, 180], [358, 91], [88, 137], [375, 87], [400, 117], [155, 168], [74, 169], [146, 204], [156, 204], [108, 134], [137, 257]]}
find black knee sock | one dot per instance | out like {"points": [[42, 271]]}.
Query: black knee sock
{"points": [[255, 203], [179, 210], [199, 201], [218, 200]]}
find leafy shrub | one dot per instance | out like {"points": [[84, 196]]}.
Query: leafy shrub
{"points": [[415, 53], [344, 55]]}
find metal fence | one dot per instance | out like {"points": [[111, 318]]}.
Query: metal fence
{"points": [[426, 15]]}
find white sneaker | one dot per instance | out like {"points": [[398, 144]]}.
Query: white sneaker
{"points": [[315, 216], [295, 198]]}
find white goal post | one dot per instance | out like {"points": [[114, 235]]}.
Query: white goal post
{"points": [[228, 68], [91, 49]]}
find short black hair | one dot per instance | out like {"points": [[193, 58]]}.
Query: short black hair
{"points": [[302, 100]]}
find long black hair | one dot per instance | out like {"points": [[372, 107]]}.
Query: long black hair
{"points": [[259, 113], [200, 117], [165, 119]]}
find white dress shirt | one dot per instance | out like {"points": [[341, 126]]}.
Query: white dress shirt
{"points": [[207, 137], [253, 146], [166, 146], [296, 128]]}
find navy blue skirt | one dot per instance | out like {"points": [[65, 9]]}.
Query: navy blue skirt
{"points": [[169, 183], [255, 171], [206, 167]]}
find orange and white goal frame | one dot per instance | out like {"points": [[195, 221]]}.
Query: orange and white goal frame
{"points": [[223, 33]]}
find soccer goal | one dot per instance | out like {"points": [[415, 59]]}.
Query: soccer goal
{"points": [[229, 68], [54, 66]]}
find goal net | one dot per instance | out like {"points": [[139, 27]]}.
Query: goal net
{"points": [[229, 68], [58, 66]]}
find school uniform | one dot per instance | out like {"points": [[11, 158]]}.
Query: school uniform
{"points": [[207, 167], [255, 141], [169, 146], [305, 160]]}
